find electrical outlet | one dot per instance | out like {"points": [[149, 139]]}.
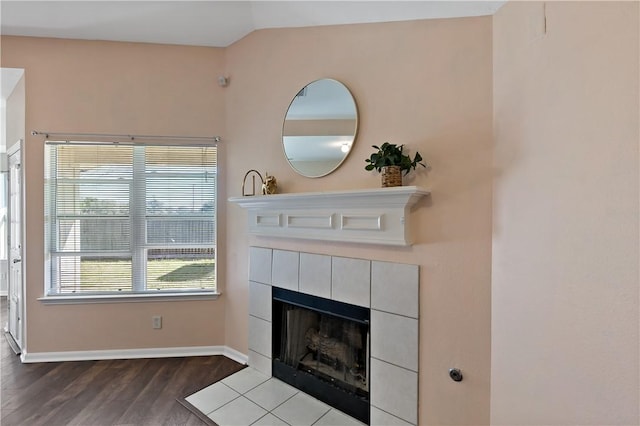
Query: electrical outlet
{"points": [[156, 321]]}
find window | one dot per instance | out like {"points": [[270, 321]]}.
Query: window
{"points": [[125, 219]]}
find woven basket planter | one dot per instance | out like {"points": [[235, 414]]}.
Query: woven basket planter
{"points": [[391, 176]]}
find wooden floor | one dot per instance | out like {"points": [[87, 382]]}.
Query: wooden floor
{"points": [[114, 392]]}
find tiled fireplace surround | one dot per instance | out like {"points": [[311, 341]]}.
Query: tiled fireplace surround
{"points": [[390, 290]]}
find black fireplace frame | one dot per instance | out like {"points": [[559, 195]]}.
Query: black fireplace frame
{"points": [[354, 405]]}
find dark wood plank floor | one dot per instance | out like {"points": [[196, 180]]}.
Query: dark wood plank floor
{"points": [[113, 392]]}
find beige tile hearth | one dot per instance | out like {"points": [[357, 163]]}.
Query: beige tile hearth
{"points": [[212, 397], [301, 409], [245, 380], [240, 411], [271, 393], [249, 397]]}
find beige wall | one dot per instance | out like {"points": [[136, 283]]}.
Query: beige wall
{"points": [[426, 84], [104, 87], [565, 229]]}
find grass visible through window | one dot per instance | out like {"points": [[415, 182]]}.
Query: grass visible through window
{"points": [[162, 274], [180, 273]]}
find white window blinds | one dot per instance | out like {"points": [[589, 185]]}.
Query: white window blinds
{"points": [[123, 218]]}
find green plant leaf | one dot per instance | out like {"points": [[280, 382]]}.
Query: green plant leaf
{"points": [[389, 154]]}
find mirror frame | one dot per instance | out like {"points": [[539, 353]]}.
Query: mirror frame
{"points": [[353, 139]]}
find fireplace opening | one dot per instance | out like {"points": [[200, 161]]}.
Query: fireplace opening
{"points": [[321, 347]]}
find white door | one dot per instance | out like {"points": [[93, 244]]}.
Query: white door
{"points": [[15, 290]]}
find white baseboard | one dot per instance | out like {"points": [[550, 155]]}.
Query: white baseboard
{"points": [[28, 357], [235, 355], [4, 293]]}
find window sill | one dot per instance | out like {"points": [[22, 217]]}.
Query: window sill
{"points": [[126, 298]]}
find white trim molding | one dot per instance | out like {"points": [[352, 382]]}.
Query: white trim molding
{"points": [[373, 216], [134, 354], [235, 355], [76, 299]]}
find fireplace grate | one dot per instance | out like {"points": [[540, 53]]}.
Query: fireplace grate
{"points": [[322, 347]]}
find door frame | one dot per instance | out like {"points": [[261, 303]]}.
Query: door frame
{"points": [[4, 180], [17, 147]]}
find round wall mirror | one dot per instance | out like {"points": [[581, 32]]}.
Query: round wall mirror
{"points": [[320, 128]]}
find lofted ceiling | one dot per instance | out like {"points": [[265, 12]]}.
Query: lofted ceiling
{"points": [[209, 23], [206, 22]]}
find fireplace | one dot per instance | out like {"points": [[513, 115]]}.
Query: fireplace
{"points": [[321, 347], [378, 352]]}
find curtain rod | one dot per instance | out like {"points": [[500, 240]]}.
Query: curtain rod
{"points": [[129, 137]]}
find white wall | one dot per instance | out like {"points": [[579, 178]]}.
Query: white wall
{"points": [[565, 302], [3, 126], [9, 79]]}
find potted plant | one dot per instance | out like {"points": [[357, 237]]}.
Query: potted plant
{"points": [[390, 160]]}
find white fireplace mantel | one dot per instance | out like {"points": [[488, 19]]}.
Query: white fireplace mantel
{"points": [[374, 216]]}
